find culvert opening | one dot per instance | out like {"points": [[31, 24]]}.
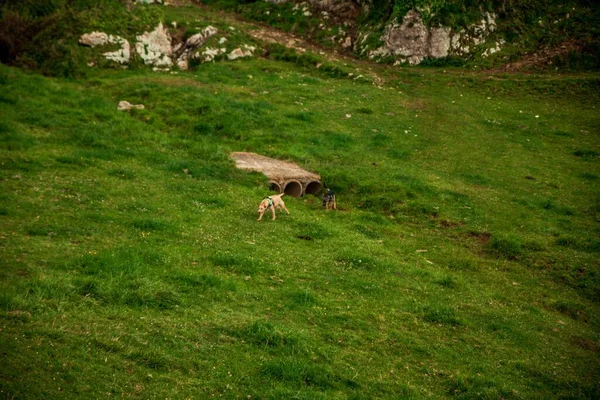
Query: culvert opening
{"points": [[274, 187], [313, 187], [293, 188]]}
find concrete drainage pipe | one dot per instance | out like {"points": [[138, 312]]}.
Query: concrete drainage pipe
{"points": [[292, 188], [313, 187], [274, 186]]}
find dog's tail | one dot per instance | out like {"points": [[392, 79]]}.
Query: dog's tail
{"points": [[282, 194]]}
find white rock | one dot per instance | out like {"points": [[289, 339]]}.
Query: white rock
{"points": [[198, 39], [210, 53], [125, 105], [239, 53], [155, 47], [94, 39], [184, 51], [123, 55]]}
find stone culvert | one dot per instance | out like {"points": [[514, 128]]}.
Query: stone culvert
{"points": [[284, 177]]}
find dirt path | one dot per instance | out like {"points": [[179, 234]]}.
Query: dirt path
{"points": [[267, 34]]}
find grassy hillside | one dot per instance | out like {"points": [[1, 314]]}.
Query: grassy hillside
{"points": [[462, 262]]}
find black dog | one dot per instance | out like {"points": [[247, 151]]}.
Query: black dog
{"points": [[329, 200]]}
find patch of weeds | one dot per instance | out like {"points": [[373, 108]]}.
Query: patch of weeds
{"points": [[448, 282], [299, 373], [441, 315], [368, 231], [41, 230], [202, 128], [147, 296], [149, 359], [562, 134], [89, 288], [476, 179], [573, 309], [533, 246], [398, 154], [475, 387], [481, 237], [21, 164], [266, 335], [107, 347], [501, 328], [313, 230], [71, 160], [337, 141], [138, 293], [461, 264], [149, 225], [509, 247], [589, 176], [11, 139], [119, 262], [192, 283], [586, 154], [300, 299], [122, 174], [341, 182], [552, 206], [421, 208], [355, 261], [364, 110], [301, 116], [567, 241], [235, 263], [374, 218], [374, 200]]}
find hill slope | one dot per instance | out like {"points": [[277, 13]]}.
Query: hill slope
{"points": [[462, 262]]}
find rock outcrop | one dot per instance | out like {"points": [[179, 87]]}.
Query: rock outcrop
{"points": [[412, 41], [121, 56], [184, 51], [157, 48]]}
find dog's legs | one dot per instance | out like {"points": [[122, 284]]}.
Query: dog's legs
{"points": [[285, 208], [260, 216], [273, 211], [334, 205]]}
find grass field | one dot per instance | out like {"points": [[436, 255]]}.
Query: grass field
{"points": [[462, 262]]}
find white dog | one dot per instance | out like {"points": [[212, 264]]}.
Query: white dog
{"points": [[271, 202]]}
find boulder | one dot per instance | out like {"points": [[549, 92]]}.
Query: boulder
{"points": [[94, 39], [239, 53], [125, 105], [210, 53]]}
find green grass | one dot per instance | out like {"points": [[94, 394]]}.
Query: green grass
{"points": [[462, 261]]}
